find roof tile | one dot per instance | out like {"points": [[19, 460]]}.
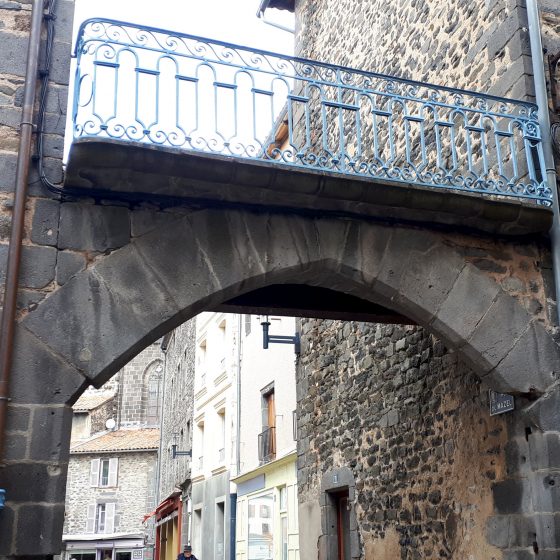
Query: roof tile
{"points": [[141, 439]]}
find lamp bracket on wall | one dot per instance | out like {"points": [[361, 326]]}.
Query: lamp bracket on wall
{"points": [[175, 453], [277, 338]]}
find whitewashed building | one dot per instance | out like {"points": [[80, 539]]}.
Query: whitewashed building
{"points": [[267, 508], [244, 488], [213, 449]]}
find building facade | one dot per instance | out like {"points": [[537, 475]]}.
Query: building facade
{"points": [[399, 455], [112, 473], [213, 448], [99, 271], [267, 512], [110, 481], [173, 513], [211, 364]]}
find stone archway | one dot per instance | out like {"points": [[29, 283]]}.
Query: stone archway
{"points": [[89, 328]]}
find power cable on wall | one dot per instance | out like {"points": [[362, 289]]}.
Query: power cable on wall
{"points": [[67, 192], [49, 17]]}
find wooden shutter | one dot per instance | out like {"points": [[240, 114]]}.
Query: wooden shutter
{"points": [[90, 524], [113, 471], [94, 473], [110, 517]]}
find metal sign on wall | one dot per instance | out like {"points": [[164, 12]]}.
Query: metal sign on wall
{"points": [[500, 403]]}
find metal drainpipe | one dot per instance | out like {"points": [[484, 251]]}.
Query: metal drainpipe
{"points": [[238, 427], [7, 328], [544, 122], [162, 416]]}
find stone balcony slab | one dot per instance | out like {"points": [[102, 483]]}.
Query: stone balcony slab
{"points": [[103, 167]]}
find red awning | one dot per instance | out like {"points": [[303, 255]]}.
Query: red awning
{"points": [[170, 503]]}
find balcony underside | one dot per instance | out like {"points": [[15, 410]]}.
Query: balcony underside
{"points": [[296, 300], [175, 176]]}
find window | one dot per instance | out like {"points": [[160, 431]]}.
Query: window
{"points": [[247, 325], [201, 443], [222, 346], [201, 363], [267, 438], [152, 401], [101, 518], [87, 555], [222, 448], [269, 408], [283, 498], [261, 541], [104, 472]]}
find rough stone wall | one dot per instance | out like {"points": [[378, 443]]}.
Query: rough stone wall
{"points": [[412, 423], [61, 239], [134, 380], [43, 268], [101, 414], [482, 46], [550, 25], [522, 269], [178, 402], [550, 22], [136, 476], [478, 45]]}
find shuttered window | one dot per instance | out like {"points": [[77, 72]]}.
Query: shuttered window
{"points": [[113, 472], [104, 472], [101, 518], [110, 517], [94, 473], [90, 523]]}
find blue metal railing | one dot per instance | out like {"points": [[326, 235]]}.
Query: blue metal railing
{"points": [[149, 85]]}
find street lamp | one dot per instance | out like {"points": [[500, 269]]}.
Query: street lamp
{"points": [[277, 338], [175, 452]]}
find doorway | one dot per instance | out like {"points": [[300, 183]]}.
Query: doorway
{"points": [[341, 503]]}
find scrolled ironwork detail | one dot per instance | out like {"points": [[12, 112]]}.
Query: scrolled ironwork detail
{"points": [[149, 85]]}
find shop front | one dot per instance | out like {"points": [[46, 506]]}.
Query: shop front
{"points": [[91, 547], [267, 512], [168, 527]]}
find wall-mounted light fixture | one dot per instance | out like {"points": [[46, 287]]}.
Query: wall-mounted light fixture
{"points": [[277, 338], [175, 452]]}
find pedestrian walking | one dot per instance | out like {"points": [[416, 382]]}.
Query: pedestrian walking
{"points": [[187, 554]]}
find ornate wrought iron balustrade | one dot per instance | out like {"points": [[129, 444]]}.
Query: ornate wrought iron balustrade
{"points": [[149, 85]]}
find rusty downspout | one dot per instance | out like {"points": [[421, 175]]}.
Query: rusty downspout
{"points": [[7, 328]]}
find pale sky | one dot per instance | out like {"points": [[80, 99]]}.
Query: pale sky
{"points": [[234, 21]]}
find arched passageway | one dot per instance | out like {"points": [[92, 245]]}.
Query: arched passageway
{"points": [[90, 327]]}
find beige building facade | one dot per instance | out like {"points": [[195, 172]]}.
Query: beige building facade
{"points": [[267, 518]]}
